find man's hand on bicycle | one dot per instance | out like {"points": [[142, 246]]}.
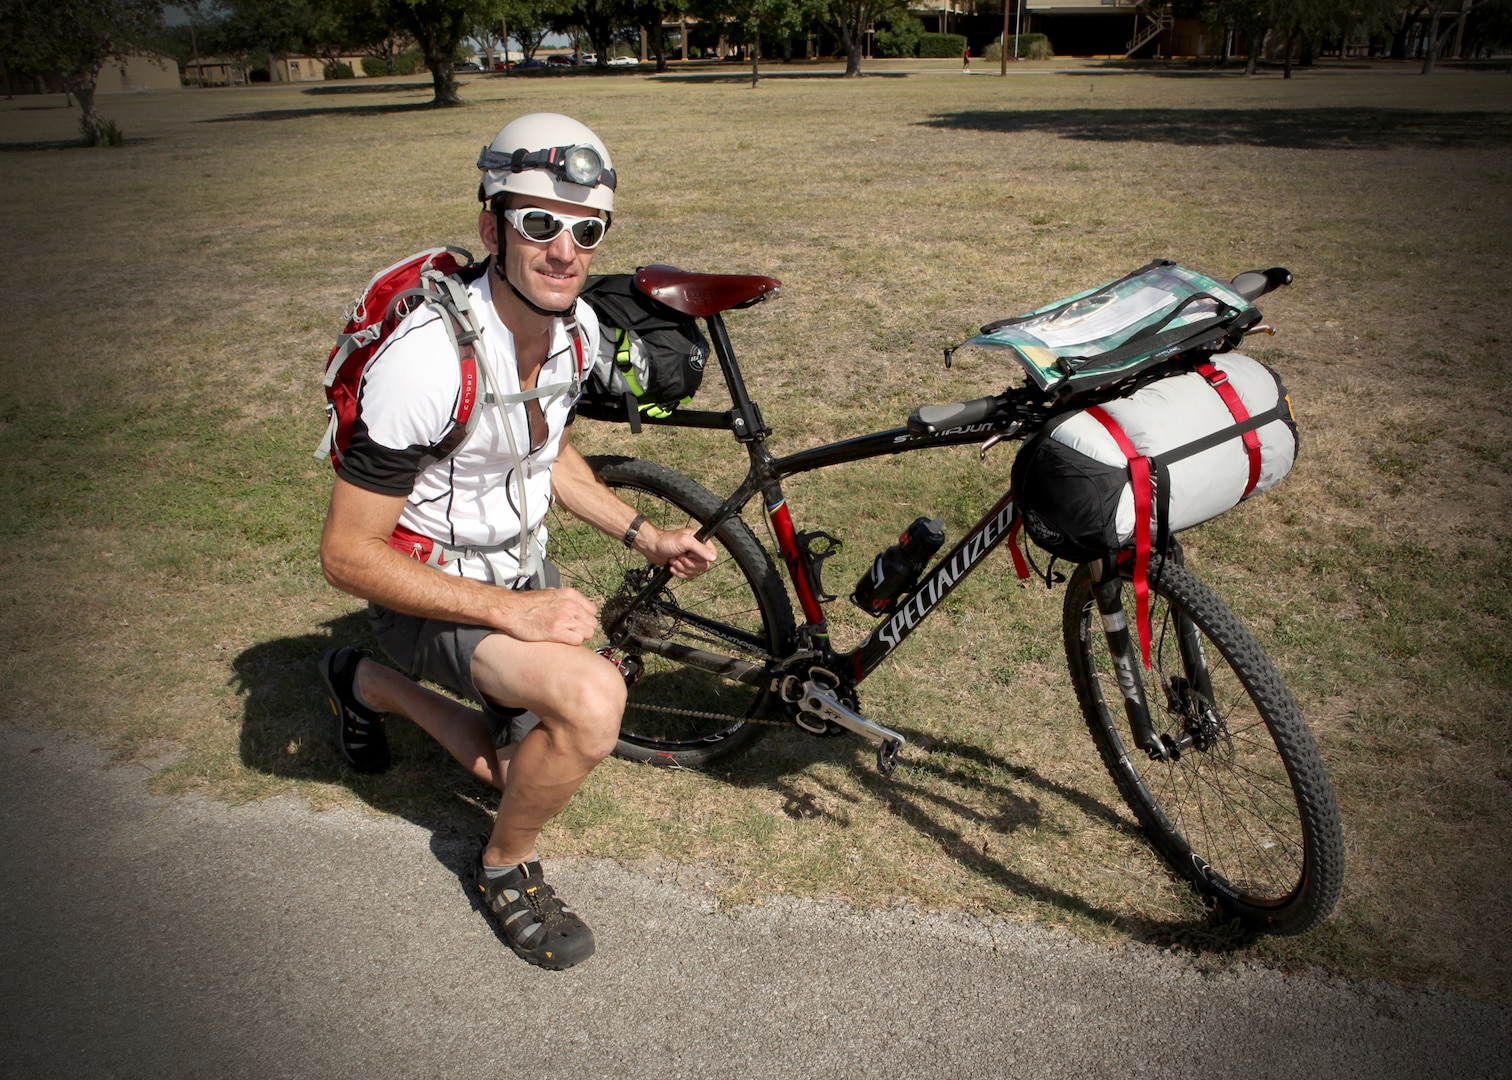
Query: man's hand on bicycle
{"points": [[679, 550]]}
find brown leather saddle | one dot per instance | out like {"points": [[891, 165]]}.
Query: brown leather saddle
{"points": [[703, 294]]}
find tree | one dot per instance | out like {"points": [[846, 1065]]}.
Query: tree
{"points": [[599, 19], [529, 22], [73, 39], [748, 21], [1435, 38], [1489, 26], [850, 20], [649, 15], [1299, 20], [901, 37], [438, 27], [270, 29]]}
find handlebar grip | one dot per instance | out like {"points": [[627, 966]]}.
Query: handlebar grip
{"points": [[933, 419], [1253, 284]]}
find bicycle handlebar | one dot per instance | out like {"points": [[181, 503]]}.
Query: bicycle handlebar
{"points": [[933, 419]]}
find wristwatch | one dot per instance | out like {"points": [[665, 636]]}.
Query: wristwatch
{"points": [[630, 533]]}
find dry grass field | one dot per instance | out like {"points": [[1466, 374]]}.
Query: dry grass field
{"points": [[173, 301]]}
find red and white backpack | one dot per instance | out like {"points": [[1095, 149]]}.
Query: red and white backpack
{"points": [[438, 277]]}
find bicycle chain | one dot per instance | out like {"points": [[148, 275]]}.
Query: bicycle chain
{"points": [[696, 714]]}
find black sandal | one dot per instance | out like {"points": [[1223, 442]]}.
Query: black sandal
{"points": [[534, 923], [359, 729]]}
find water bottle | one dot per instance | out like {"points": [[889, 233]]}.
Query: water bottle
{"points": [[897, 568]]}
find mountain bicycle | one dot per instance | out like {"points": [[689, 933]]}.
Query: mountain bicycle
{"points": [[1208, 748]]}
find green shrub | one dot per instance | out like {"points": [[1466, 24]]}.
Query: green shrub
{"points": [[373, 66], [103, 133], [407, 63], [339, 70], [1030, 47], [942, 44], [901, 36]]}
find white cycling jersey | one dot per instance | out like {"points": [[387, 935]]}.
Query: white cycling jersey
{"points": [[471, 499]]}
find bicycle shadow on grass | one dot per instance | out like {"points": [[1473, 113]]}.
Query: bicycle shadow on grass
{"points": [[288, 732], [928, 794]]}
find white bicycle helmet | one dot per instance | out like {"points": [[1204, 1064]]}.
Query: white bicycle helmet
{"points": [[549, 156]]}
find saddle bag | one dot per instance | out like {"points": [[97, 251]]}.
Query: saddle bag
{"points": [[651, 358], [1132, 471]]}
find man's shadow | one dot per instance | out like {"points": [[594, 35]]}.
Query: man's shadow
{"points": [[288, 730]]}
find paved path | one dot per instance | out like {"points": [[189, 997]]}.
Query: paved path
{"points": [[166, 938]]}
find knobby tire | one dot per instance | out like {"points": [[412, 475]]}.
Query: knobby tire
{"points": [[677, 715], [1247, 815]]}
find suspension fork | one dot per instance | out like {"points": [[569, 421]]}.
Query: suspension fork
{"points": [[1107, 592]]}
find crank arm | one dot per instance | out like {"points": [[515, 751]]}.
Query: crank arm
{"points": [[725, 666], [822, 703]]}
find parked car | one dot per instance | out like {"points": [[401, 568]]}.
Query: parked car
{"points": [[624, 61], [533, 62], [504, 65], [465, 65], [590, 58], [560, 60]]}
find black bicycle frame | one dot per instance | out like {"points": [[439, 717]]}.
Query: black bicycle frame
{"points": [[765, 476]]}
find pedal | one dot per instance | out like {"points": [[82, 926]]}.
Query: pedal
{"points": [[820, 703]]}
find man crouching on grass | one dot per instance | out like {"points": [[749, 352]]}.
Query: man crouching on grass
{"points": [[485, 615]]}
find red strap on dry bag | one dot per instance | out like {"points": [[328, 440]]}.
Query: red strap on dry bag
{"points": [[1139, 479], [1219, 381], [1020, 567]]}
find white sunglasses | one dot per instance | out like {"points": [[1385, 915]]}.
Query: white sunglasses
{"points": [[540, 226]]}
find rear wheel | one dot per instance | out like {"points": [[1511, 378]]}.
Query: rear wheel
{"points": [[1244, 809], [678, 714]]}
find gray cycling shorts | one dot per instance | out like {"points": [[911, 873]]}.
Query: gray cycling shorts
{"points": [[442, 653]]}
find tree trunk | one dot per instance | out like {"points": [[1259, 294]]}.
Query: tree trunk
{"points": [[1291, 39], [1436, 40], [755, 60], [85, 94], [1430, 37], [443, 81], [851, 38], [1256, 47]]}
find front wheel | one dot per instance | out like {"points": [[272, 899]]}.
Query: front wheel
{"points": [[1242, 808], [678, 714]]}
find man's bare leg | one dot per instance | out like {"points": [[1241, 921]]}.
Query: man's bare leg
{"points": [[462, 731], [580, 698]]}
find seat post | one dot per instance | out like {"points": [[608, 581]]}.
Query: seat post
{"points": [[747, 419]]}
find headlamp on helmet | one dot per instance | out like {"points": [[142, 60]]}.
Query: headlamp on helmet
{"points": [[580, 164]]}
